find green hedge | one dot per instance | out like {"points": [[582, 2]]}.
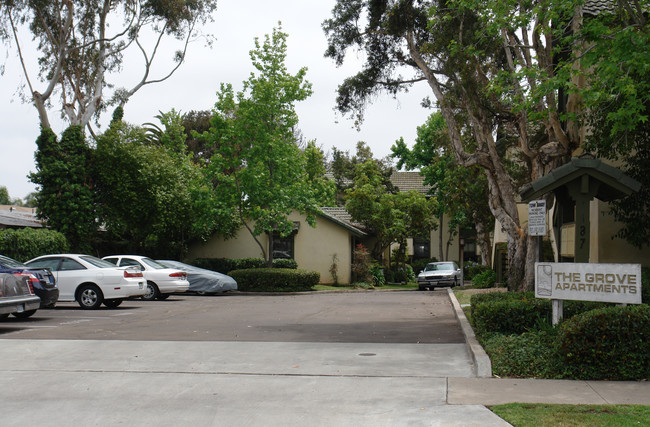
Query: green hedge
{"points": [[471, 270], [527, 355], [486, 279], [27, 243], [275, 280], [645, 285], [225, 265], [518, 312], [608, 343], [285, 263], [419, 264]]}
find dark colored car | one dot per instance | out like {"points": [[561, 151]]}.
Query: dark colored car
{"points": [[202, 281], [42, 281], [16, 296]]}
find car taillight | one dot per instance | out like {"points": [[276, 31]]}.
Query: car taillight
{"points": [[181, 274], [133, 273], [31, 279]]}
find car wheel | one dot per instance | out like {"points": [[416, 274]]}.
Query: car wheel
{"points": [[164, 296], [422, 288], [89, 297], [24, 315], [112, 303], [152, 292], [4, 316]]}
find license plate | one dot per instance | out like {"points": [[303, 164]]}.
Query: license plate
{"points": [[20, 308]]}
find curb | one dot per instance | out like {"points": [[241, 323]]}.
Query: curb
{"points": [[482, 364]]}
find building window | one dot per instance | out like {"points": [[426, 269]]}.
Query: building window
{"points": [[421, 248], [283, 246]]}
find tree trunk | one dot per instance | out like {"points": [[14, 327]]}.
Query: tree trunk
{"points": [[484, 242]]}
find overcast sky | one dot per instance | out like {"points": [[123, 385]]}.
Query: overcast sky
{"points": [[195, 84]]}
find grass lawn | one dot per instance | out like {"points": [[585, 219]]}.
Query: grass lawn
{"points": [[535, 415]]}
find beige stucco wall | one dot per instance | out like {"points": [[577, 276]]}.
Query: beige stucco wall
{"points": [[454, 248], [605, 249], [314, 248]]}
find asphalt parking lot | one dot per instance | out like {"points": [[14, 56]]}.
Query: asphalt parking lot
{"points": [[353, 317]]}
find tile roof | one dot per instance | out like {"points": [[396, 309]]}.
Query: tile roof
{"points": [[407, 181], [19, 217], [595, 7], [340, 216]]}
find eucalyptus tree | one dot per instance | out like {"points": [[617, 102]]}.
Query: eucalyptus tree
{"points": [[83, 46], [494, 61], [461, 192]]}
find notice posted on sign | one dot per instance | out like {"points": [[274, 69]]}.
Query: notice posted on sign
{"points": [[617, 283]]}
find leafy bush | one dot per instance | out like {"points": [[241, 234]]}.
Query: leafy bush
{"points": [[419, 264], [608, 343], [285, 263], [527, 355], [472, 269], [645, 285], [378, 278], [486, 279], [275, 280], [27, 243], [400, 274], [361, 264]]}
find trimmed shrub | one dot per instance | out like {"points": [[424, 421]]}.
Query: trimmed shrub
{"points": [[285, 263], [608, 343], [486, 279], [275, 280], [402, 274], [471, 270], [419, 264], [27, 243], [527, 355], [509, 316], [225, 265], [519, 312]]}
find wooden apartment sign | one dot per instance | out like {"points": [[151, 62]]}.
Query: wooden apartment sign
{"points": [[617, 283]]}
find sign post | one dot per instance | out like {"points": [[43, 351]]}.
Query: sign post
{"points": [[537, 218]]}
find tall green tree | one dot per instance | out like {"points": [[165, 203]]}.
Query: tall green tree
{"points": [[258, 171], [146, 191], [461, 192], [393, 217], [66, 194], [497, 62], [82, 45]]}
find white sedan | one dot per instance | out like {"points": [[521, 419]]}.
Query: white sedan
{"points": [[91, 281], [161, 281]]}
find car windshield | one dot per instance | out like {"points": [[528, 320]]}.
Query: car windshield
{"points": [[8, 262], [99, 263], [440, 267], [152, 263]]}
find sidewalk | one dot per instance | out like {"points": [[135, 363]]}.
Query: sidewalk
{"points": [[485, 390]]}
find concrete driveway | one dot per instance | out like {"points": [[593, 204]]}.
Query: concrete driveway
{"points": [[353, 359]]}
